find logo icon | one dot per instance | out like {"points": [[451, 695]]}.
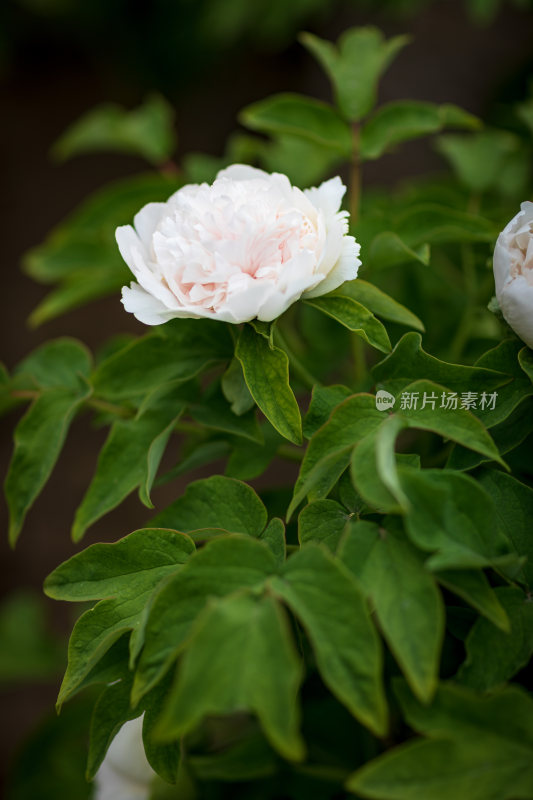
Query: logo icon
{"points": [[384, 400]]}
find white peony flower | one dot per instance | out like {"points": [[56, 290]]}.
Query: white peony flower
{"points": [[125, 773], [247, 246], [513, 273]]}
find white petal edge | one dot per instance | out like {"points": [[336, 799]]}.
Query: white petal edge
{"points": [[345, 269], [144, 306], [147, 219], [328, 196], [242, 172], [516, 303]]}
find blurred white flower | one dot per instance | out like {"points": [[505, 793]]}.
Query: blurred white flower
{"points": [[125, 773], [513, 273], [247, 246]]}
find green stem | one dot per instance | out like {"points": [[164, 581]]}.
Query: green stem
{"points": [[357, 344], [470, 285], [359, 359], [307, 378], [109, 408]]}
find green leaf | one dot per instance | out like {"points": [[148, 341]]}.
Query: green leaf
{"points": [[525, 112], [216, 502], [355, 65], [266, 372], [30, 652], [323, 401], [241, 657], [111, 711], [81, 254], [327, 601], [80, 288], [215, 412], [513, 504], [330, 448], [479, 749], [175, 352], [305, 162], [473, 586], [146, 131], [355, 317], [408, 119], [460, 713], [438, 224], [480, 160], [494, 656], [409, 609], [525, 359], [389, 250], [380, 303], [54, 754], [323, 521], [506, 435], [367, 479], [235, 389], [386, 458], [452, 516], [248, 759], [301, 116], [163, 758], [408, 361], [122, 576], [250, 459], [505, 358], [199, 456], [356, 546], [223, 566], [39, 437], [56, 364], [460, 425], [274, 537], [129, 459]]}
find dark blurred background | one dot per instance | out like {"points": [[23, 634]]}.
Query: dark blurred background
{"points": [[209, 58]]}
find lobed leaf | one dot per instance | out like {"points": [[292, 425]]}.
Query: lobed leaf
{"points": [[240, 658], [327, 601], [355, 65]]}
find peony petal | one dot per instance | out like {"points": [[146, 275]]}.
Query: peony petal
{"points": [[501, 263], [345, 269], [130, 246], [144, 306], [516, 303], [242, 172], [147, 220], [125, 773], [112, 785], [328, 196]]}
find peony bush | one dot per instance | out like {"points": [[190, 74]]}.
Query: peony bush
{"points": [[339, 603]]}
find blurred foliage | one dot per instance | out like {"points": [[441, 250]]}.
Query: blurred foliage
{"points": [[29, 651], [53, 758], [166, 44], [410, 514]]}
